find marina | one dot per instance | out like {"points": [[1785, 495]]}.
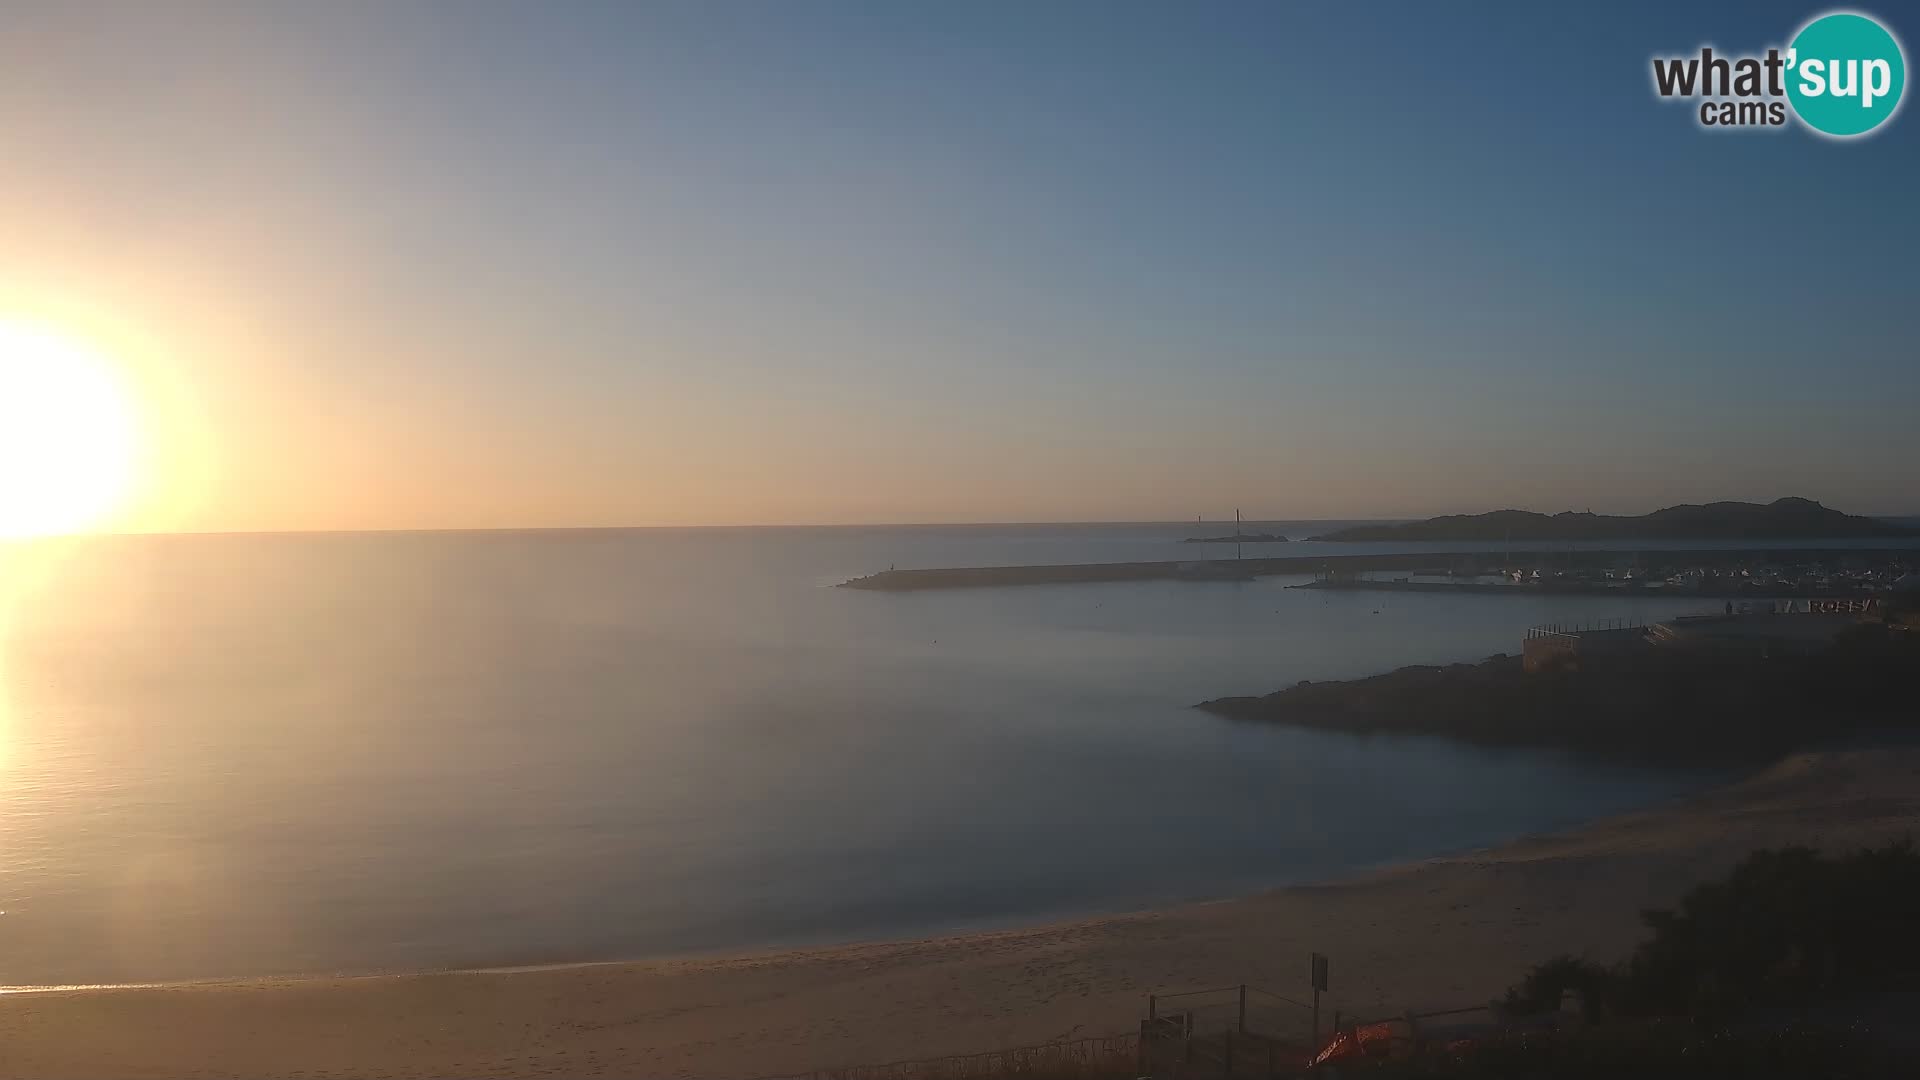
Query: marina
{"points": [[1713, 572]]}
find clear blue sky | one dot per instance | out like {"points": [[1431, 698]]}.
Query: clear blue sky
{"points": [[517, 264]]}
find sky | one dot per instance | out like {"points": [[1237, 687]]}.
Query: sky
{"points": [[466, 264]]}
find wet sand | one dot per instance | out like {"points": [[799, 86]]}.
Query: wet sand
{"points": [[1447, 931]]}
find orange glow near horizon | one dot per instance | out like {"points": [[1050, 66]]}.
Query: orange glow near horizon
{"points": [[69, 434]]}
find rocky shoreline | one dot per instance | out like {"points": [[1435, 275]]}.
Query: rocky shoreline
{"points": [[1661, 705]]}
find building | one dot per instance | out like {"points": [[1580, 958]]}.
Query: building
{"points": [[1766, 635], [1548, 647]]}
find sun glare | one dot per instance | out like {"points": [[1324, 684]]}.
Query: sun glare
{"points": [[67, 434]]}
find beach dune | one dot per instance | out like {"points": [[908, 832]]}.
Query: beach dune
{"points": [[1447, 931]]}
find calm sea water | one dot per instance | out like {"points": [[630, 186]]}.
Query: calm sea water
{"points": [[239, 755]]}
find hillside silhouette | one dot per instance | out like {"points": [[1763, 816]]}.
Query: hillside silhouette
{"points": [[1788, 518]]}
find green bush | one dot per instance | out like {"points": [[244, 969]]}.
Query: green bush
{"points": [[1546, 985], [1786, 927], [1652, 1051]]}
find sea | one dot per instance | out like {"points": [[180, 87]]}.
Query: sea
{"points": [[275, 755]]}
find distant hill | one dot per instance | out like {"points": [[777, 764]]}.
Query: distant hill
{"points": [[1778, 520]]}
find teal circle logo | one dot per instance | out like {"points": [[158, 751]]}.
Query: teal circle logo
{"points": [[1845, 74]]}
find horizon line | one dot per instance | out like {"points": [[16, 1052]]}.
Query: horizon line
{"points": [[1088, 523], [397, 530]]}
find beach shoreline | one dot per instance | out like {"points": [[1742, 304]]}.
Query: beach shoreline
{"points": [[1444, 931]]}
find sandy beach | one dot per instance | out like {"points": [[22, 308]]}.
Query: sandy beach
{"points": [[1445, 931]]}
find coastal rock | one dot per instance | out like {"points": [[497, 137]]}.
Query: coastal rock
{"points": [[1660, 704]]}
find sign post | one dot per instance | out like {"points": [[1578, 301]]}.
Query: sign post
{"points": [[1319, 985]]}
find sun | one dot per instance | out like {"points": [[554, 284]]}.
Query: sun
{"points": [[68, 439]]}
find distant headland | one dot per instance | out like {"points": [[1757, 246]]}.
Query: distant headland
{"points": [[1781, 519]]}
